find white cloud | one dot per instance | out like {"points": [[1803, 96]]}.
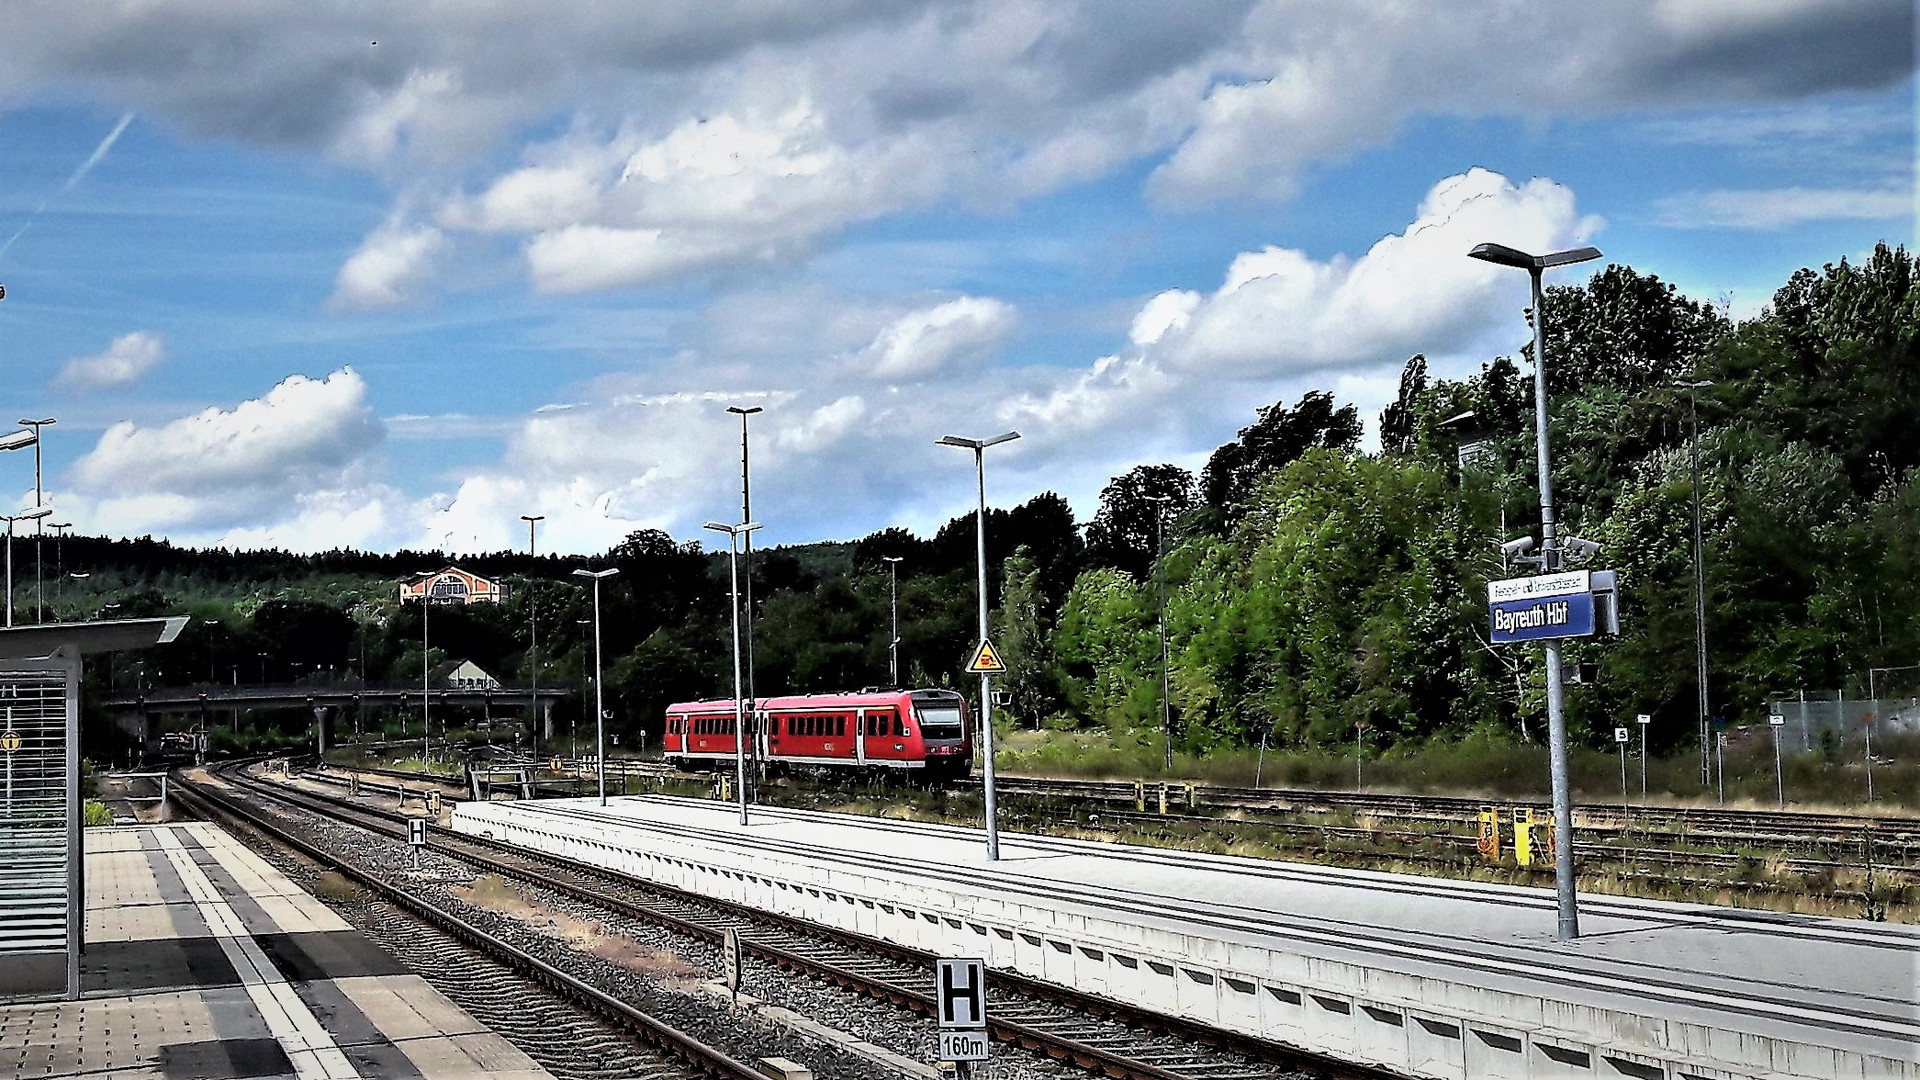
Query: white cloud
{"points": [[1780, 207], [124, 363], [392, 264], [1280, 310], [297, 453], [933, 339]]}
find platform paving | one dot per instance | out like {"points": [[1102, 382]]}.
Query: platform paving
{"points": [[203, 960]]}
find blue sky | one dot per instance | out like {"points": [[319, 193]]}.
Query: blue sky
{"points": [[380, 279]]}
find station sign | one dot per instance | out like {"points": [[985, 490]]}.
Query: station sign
{"points": [[1540, 607]]}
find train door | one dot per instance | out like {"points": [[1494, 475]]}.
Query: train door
{"points": [[762, 749], [860, 736]]}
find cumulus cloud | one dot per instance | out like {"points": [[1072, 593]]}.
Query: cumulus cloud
{"points": [[922, 342], [125, 362], [301, 446], [390, 266]]}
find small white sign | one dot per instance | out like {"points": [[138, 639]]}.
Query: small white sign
{"points": [[1777, 720], [1526, 588], [417, 832], [960, 988], [1644, 718], [969, 1045], [1620, 734]]}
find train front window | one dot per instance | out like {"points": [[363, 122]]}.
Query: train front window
{"points": [[940, 721]]}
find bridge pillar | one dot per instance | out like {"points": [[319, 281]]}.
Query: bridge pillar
{"points": [[546, 721], [320, 728]]}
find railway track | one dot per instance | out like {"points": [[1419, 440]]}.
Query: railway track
{"points": [[1715, 823], [573, 1029], [1102, 1036]]}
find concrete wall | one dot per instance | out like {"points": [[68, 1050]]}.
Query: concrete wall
{"points": [[1428, 1027]]}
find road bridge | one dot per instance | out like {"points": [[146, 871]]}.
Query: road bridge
{"points": [[137, 709]]}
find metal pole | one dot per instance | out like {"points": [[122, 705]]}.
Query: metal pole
{"points": [[893, 645], [426, 727], [1699, 582], [1643, 761], [1779, 782], [1569, 915], [1166, 686], [986, 680], [1869, 727], [9, 571], [599, 700], [533, 640], [739, 706]]}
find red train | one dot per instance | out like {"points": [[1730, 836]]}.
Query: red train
{"points": [[925, 735]]}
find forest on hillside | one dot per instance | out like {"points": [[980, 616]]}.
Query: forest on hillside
{"points": [[1307, 586]]}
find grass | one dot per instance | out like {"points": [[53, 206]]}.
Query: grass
{"points": [[1484, 766]]}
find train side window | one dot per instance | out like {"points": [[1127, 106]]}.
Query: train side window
{"points": [[899, 728], [839, 726]]}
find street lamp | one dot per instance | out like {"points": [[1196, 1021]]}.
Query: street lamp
{"points": [[533, 641], [1159, 560], [34, 514], [39, 584], [599, 686], [59, 562], [1569, 921], [979, 447], [746, 514], [893, 643], [734, 535], [1699, 575]]}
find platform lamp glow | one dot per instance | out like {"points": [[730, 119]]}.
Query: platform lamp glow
{"points": [[734, 533], [34, 514], [533, 641], [979, 447], [1569, 912], [599, 687]]}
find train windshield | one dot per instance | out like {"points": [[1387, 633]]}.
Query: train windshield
{"points": [[940, 721]]}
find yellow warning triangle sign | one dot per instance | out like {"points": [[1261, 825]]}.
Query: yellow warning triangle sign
{"points": [[986, 661]]}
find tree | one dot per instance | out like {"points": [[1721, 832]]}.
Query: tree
{"points": [[1278, 437], [1398, 426], [1123, 533]]}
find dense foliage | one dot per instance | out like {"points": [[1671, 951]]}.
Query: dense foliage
{"points": [[1307, 587]]}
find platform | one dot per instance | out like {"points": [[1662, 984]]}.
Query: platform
{"points": [[1431, 977], [202, 960]]}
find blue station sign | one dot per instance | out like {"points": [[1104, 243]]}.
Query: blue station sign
{"points": [[1540, 607]]}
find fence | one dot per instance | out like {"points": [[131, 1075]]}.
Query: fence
{"points": [[1817, 718]]}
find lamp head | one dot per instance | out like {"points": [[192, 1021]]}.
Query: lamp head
{"points": [[18, 440], [748, 411], [1502, 255]]}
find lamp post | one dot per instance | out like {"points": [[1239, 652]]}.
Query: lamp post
{"points": [[39, 582], [1160, 574], [1569, 913], [573, 729], [979, 447], [893, 643], [59, 563], [746, 514], [34, 514], [426, 726], [734, 535], [533, 641], [1699, 576], [599, 686]]}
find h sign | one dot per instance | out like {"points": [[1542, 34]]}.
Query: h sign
{"points": [[417, 831], [962, 993]]}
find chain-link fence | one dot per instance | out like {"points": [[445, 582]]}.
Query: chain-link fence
{"points": [[1819, 719]]}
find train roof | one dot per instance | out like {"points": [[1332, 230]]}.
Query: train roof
{"points": [[821, 701]]}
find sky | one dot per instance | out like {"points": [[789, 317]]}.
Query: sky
{"points": [[382, 276]]}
